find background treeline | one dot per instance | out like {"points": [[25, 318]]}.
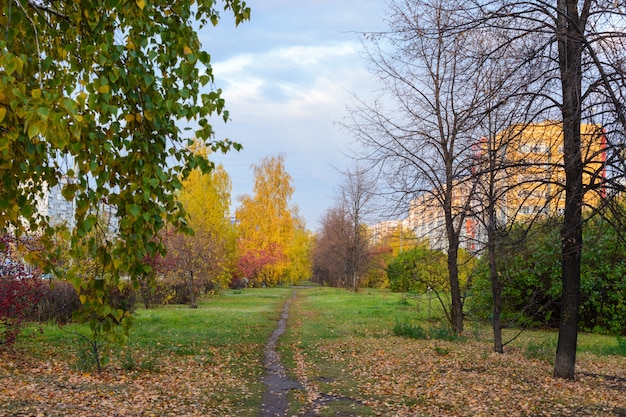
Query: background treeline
{"points": [[530, 271]]}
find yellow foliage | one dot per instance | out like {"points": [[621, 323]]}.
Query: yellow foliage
{"points": [[266, 223], [206, 198]]}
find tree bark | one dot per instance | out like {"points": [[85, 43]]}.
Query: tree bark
{"points": [[570, 46], [496, 288]]}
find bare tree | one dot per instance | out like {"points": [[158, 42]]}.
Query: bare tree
{"points": [[421, 143], [332, 248], [356, 194], [579, 67]]}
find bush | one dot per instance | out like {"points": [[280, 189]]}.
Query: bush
{"points": [[58, 303], [19, 295], [530, 270], [124, 299], [406, 329]]}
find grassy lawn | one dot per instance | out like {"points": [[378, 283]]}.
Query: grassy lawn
{"points": [[179, 361], [339, 345], [342, 345]]}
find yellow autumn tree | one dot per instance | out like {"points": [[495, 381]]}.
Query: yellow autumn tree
{"points": [[205, 259], [400, 239], [299, 252], [266, 224]]}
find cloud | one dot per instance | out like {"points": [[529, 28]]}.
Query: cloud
{"points": [[306, 73], [287, 76]]}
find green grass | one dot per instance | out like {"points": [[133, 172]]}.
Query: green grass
{"points": [[231, 330], [228, 330]]}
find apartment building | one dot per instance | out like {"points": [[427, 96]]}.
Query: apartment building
{"points": [[534, 174], [530, 182], [57, 208], [426, 216]]}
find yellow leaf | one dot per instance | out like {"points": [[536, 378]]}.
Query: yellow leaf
{"points": [[3, 113], [36, 93], [138, 117], [187, 50], [104, 89], [141, 3], [129, 118]]}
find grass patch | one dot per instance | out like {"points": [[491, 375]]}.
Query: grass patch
{"points": [[543, 351], [179, 361], [415, 331]]}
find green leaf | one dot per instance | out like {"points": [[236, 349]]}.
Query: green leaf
{"points": [[134, 210], [43, 112], [34, 129]]}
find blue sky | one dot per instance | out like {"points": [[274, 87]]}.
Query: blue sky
{"points": [[287, 76]]}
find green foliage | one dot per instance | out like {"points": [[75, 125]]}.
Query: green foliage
{"points": [[92, 95], [603, 279], [421, 268], [528, 265], [530, 269], [543, 351], [417, 270], [415, 331]]}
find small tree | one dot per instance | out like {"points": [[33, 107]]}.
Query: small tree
{"points": [[95, 92]]}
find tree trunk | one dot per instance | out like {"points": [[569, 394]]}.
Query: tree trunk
{"points": [[144, 290], [192, 298], [496, 289], [569, 36], [456, 311]]}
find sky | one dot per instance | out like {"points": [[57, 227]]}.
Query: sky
{"points": [[287, 76]]}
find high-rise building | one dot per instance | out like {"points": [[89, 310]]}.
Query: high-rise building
{"points": [[529, 179]]}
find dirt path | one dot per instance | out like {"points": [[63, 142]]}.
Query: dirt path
{"points": [[277, 383]]}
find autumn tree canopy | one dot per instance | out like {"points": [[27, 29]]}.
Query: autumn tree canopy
{"points": [[267, 226], [207, 254], [96, 92]]}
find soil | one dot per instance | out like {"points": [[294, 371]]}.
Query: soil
{"points": [[277, 384], [275, 402]]}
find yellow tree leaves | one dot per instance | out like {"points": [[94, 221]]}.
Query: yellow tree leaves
{"points": [[268, 231], [208, 254]]}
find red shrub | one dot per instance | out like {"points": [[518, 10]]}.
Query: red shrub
{"points": [[19, 295], [20, 292]]}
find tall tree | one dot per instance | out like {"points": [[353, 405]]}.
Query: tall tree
{"points": [[356, 196], [265, 221], [580, 60], [96, 91], [331, 253], [207, 254], [299, 251], [422, 142]]}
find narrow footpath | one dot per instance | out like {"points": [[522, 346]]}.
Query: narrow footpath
{"points": [[277, 384], [275, 402]]}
